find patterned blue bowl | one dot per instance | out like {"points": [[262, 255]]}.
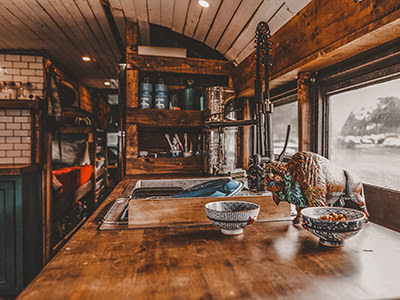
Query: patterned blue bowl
{"points": [[232, 216], [332, 233]]}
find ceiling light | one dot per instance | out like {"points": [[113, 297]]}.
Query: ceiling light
{"points": [[204, 3], [107, 83], [86, 58]]}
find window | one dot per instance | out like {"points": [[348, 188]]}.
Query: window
{"points": [[282, 116], [364, 132]]}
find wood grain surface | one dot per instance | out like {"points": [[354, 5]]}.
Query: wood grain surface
{"points": [[170, 212], [271, 260]]}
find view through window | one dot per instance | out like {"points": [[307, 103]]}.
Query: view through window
{"points": [[282, 116], [364, 131]]}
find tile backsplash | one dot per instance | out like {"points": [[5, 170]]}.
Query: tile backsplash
{"points": [[23, 68], [15, 136]]}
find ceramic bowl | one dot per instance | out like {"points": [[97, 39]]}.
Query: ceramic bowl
{"points": [[232, 216], [332, 233]]}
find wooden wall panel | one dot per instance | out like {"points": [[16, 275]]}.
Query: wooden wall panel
{"points": [[325, 32]]}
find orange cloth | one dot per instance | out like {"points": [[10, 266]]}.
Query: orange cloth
{"points": [[73, 177]]}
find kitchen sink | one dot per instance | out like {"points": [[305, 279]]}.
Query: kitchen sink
{"points": [[117, 216]]}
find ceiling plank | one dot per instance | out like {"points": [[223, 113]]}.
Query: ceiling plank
{"points": [[280, 18], [206, 19], [242, 16], [93, 29], [180, 11], [154, 11], [141, 10], [167, 13], [144, 33], [264, 13], [128, 8], [222, 20], [104, 27], [62, 16], [192, 18], [120, 18]]}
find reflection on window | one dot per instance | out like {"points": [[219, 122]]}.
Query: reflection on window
{"points": [[283, 116], [365, 132]]}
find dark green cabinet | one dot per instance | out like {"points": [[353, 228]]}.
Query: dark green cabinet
{"points": [[20, 231]]}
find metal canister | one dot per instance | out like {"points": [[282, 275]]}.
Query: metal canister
{"points": [[217, 97], [145, 97], [161, 101], [189, 100]]}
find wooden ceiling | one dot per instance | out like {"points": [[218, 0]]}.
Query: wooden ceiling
{"points": [[68, 29]]}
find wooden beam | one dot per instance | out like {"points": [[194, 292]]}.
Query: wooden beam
{"points": [[179, 65], [304, 111], [165, 117], [132, 88], [324, 33]]}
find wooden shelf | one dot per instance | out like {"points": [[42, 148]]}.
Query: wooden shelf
{"points": [[164, 165], [165, 117], [76, 129], [18, 104]]}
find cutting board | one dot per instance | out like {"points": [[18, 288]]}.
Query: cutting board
{"points": [[145, 213]]}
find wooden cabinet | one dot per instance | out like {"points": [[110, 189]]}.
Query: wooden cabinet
{"points": [[146, 129], [20, 231]]}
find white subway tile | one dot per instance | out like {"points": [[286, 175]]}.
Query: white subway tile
{"points": [[25, 112], [13, 112], [39, 59], [6, 78], [40, 72], [21, 65], [20, 119], [21, 132], [26, 140], [28, 58], [13, 57], [11, 71], [6, 64], [2, 139], [6, 119], [2, 153], [28, 72], [35, 65], [13, 139], [2, 126], [22, 160], [35, 79], [22, 146], [26, 126], [19, 78], [6, 160], [39, 86], [26, 153], [13, 125], [13, 153], [6, 146]]}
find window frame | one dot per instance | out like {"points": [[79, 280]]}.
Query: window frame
{"points": [[379, 65]]}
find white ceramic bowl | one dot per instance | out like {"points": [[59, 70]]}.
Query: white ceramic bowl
{"points": [[232, 216], [332, 233]]}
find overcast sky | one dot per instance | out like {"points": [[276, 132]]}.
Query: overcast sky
{"points": [[365, 98]]}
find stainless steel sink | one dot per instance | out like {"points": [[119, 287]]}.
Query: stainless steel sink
{"points": [[117, 216]]}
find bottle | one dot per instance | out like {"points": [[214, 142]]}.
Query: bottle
{"points": [[189, 96], [161, 94], [145, 97]]}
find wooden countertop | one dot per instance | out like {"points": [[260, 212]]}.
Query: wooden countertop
{"points": [[271, 260], [16, 169]]}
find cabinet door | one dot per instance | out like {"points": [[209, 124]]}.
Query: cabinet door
{"points": [[7, 236]]}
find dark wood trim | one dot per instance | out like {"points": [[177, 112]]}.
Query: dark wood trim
{"points": [[18, 104], [179, 65], [383, 205], [17, 169], [165, 117]]}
